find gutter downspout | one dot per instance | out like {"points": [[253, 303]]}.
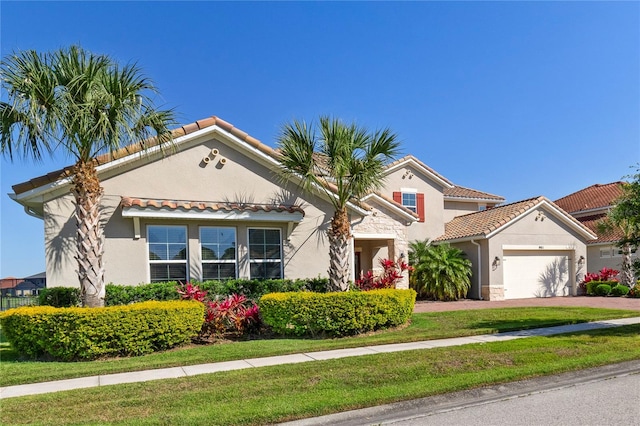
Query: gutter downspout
{"points": [[31, 213], [479, 269]]}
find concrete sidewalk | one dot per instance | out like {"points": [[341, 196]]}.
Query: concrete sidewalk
{"points": [[193, 370]]}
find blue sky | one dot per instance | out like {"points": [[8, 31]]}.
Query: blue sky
{"points": [[514, 98]]}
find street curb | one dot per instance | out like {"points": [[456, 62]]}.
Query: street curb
{"points": [[424, 407]]}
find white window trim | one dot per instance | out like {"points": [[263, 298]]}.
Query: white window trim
{"points": [[202, 261], [185, 261], [281, 260]]}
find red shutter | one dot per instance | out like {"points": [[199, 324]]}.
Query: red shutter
{"points": [[397, 197], [420, 206]]}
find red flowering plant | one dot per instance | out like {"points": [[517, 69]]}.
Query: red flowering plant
{"points": [[233, 315], [602, 276], [392, 273]]}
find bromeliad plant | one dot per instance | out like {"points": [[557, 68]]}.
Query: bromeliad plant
{"points": [[392, 273], [593, 279], [232, 315]]}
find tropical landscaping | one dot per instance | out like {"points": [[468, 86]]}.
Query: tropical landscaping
{"points": [[273, 394]]}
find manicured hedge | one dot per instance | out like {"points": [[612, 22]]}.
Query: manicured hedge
{"points": [[252, 289], [87, 333], [619, 290], [336, 314], [59, 297], [592, 285]]}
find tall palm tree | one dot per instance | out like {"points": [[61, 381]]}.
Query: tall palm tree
{"points": [[344, 161], [85, 105], [440, 271]]}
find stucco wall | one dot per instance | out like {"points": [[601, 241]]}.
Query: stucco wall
{"points": [[433, 226], [549, 234], [184, 176], [458, 208]]}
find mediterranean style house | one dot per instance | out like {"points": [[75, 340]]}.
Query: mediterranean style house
{"points": [[216, 209], [589, 206]]}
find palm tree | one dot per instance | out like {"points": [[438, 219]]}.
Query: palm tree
{"points": [[344, 161], [624, 217], [439, 271], [85, 105]]}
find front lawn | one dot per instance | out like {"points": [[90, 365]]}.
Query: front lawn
{"points": [[273, 394], [424, 326]]}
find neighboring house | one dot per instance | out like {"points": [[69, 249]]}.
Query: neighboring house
{"points": [[216, 209], [28, 286], [8, 285], [590, 206]]}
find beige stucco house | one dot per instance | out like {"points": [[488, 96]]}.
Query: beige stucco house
{"points": [[216, 208]]}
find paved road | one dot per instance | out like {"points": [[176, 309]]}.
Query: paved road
{"points": [[595, 397]]}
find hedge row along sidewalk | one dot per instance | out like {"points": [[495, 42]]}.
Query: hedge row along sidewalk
{"points": [[175, 372]]}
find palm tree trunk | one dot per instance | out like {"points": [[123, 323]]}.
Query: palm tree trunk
{"points": [[626, 274], [339, 235], [89, 239]]}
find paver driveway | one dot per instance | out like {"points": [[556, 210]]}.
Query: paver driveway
{"points": [[592, 302]]}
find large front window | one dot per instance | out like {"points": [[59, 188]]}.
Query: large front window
{"points": [[167, 253], [265, 253], [218, 251]]}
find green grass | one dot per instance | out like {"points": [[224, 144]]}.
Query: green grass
{"points": [[14, 370], [279, 393]]}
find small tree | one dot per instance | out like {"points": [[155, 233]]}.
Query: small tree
{"points": [[625, 217], [440, 271], [83, 105]]}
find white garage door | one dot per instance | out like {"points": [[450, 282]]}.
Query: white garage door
{"points": [[536, 274]]}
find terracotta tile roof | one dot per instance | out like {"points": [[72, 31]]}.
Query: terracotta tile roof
{"points": [[138, 147], [593, 197], [207, 205], [462, 192], [411, 157], [481, 224], [609, 236]]}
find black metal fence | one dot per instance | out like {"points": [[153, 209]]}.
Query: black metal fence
{"points": [[9, 302]]}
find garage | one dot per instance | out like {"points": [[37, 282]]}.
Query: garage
{"points": [[544, 273]]}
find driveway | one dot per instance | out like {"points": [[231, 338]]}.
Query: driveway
{"points": [[584, 301]]}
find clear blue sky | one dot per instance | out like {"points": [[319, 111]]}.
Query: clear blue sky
{"points": [[514, 98]]}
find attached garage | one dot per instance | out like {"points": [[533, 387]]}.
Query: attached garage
{"points": [[536, 274], [526, 249]]}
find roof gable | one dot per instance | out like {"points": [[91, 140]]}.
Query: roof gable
{"points": [[425, 170], [594, 197], [134, 153], [485, 224]]}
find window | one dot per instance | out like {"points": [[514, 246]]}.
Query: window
{"points": [[218, 253], [412, 200], [265, 253], [167, 253], [409, 201], [605, 252]]}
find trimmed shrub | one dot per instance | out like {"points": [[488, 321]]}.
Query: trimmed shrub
{"points": [[603, 290], [252, 289], [635, 290], [619, 290], [592, 285], [336, 314], [59, 297], [87, 333], [126, 294]]}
